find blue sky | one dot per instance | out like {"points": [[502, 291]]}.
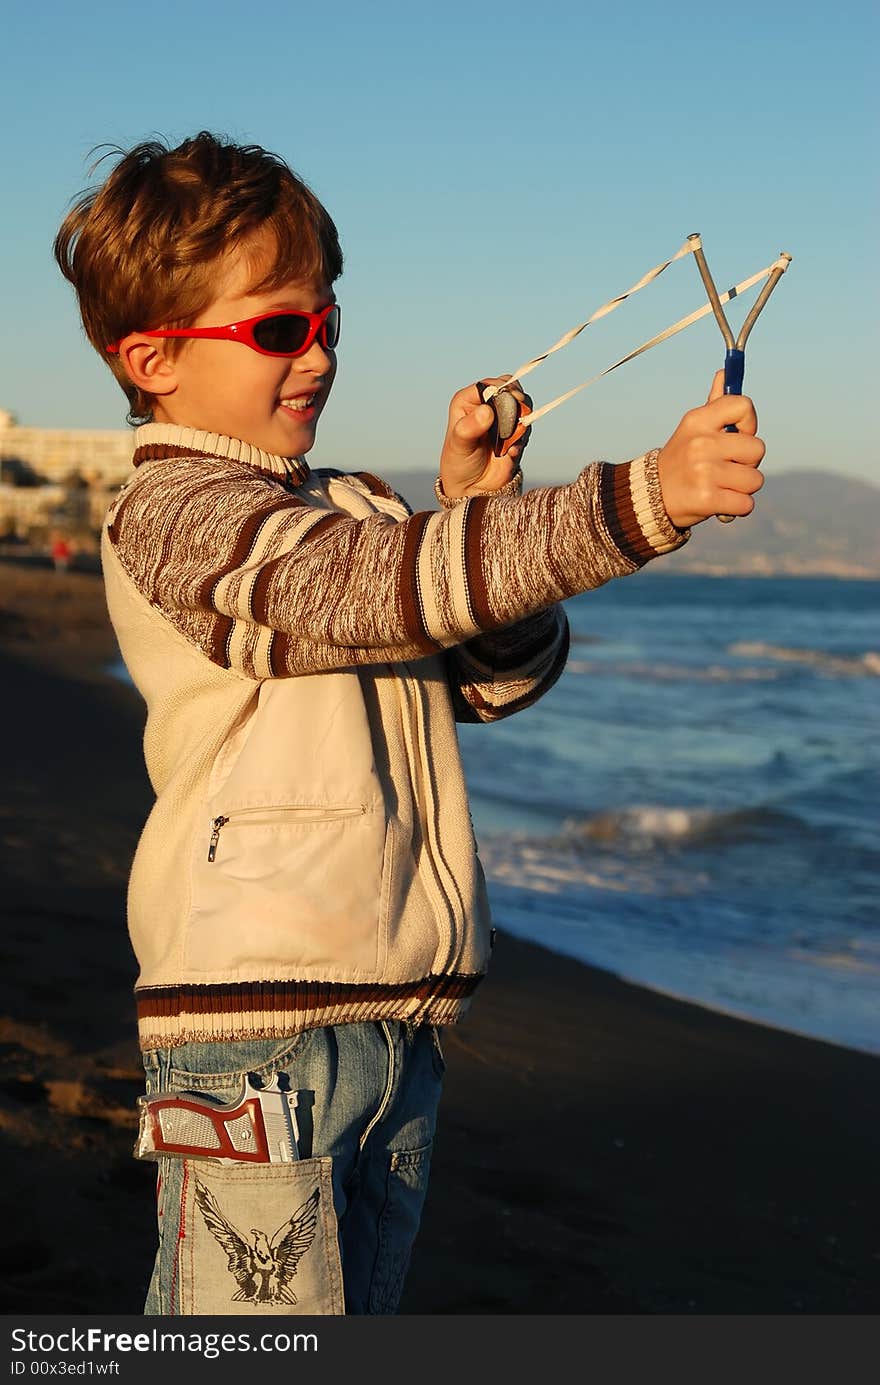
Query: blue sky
{"points": [[496, 173]]}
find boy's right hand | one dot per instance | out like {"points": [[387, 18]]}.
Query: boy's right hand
{"points": [[468, 465], [705, 471]]}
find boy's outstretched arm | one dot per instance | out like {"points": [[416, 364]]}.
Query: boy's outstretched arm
{"points": [[265, 582]]}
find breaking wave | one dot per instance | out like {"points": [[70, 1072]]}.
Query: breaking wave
{"points": [[647, 826], [772, 657], [837, 665]]}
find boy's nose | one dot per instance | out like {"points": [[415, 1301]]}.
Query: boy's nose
{"points": [[317, 360]]}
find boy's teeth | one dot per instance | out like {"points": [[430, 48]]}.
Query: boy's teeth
{"points": [[302, 403]]}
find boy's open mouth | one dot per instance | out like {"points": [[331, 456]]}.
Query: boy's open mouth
{"points": [[299, 403]]}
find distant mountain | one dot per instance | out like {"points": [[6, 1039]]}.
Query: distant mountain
{"points": [[807, 523]]}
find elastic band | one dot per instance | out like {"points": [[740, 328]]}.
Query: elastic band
{"points": [[679, 326], [688, 248]]}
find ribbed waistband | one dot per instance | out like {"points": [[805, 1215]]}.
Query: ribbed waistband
{"points": [[173, 1015]]}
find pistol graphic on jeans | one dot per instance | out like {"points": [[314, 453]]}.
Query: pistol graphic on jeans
{"points": [[257, 1127]]}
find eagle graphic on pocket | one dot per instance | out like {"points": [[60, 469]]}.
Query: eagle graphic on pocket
{"points": [[262, 1269]]}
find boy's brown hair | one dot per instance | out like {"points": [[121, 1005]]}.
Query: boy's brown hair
{"points": [[141, 248]]}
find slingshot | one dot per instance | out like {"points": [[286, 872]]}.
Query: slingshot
{"points": [[511, 418], [735, 358]]}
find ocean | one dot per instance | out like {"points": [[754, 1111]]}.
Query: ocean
{"points": [[695, 805]]}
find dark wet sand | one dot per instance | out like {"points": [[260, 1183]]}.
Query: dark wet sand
{"points": [[602, 1149]]}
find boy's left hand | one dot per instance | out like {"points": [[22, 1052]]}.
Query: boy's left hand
{"points": [[467, 464]]}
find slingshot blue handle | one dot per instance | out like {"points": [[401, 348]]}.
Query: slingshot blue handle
{"points": [[734, 370]]}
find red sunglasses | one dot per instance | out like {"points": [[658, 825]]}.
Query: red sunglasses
{"points": [[286, 333]]}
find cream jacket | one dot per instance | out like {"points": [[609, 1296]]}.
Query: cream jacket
{"points": [[304, 645]]}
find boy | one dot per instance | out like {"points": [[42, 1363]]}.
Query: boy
{"points": [[306, 903]]}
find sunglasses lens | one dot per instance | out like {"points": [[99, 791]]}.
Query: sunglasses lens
{"points": [[285, 333], [331, 328]]}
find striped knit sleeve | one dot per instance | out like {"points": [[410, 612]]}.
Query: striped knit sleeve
{"points": [[272, 586], [493, 676]]}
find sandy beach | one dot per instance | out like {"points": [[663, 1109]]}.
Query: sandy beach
{"points": [[602, 1149]]}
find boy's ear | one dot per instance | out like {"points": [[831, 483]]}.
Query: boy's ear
{"points": [[146, 364]]}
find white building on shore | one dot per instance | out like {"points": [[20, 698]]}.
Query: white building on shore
{"points": [[98, 455]]}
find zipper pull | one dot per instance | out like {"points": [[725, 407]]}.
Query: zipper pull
{"points": [[215, 836]]}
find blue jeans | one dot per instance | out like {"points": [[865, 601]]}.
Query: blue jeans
{"points": [[330, 1233]]}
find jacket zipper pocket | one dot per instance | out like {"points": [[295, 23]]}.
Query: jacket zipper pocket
{"points": [[257, 817]]}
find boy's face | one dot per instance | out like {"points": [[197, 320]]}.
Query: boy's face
{"points": [[226, 387]]}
